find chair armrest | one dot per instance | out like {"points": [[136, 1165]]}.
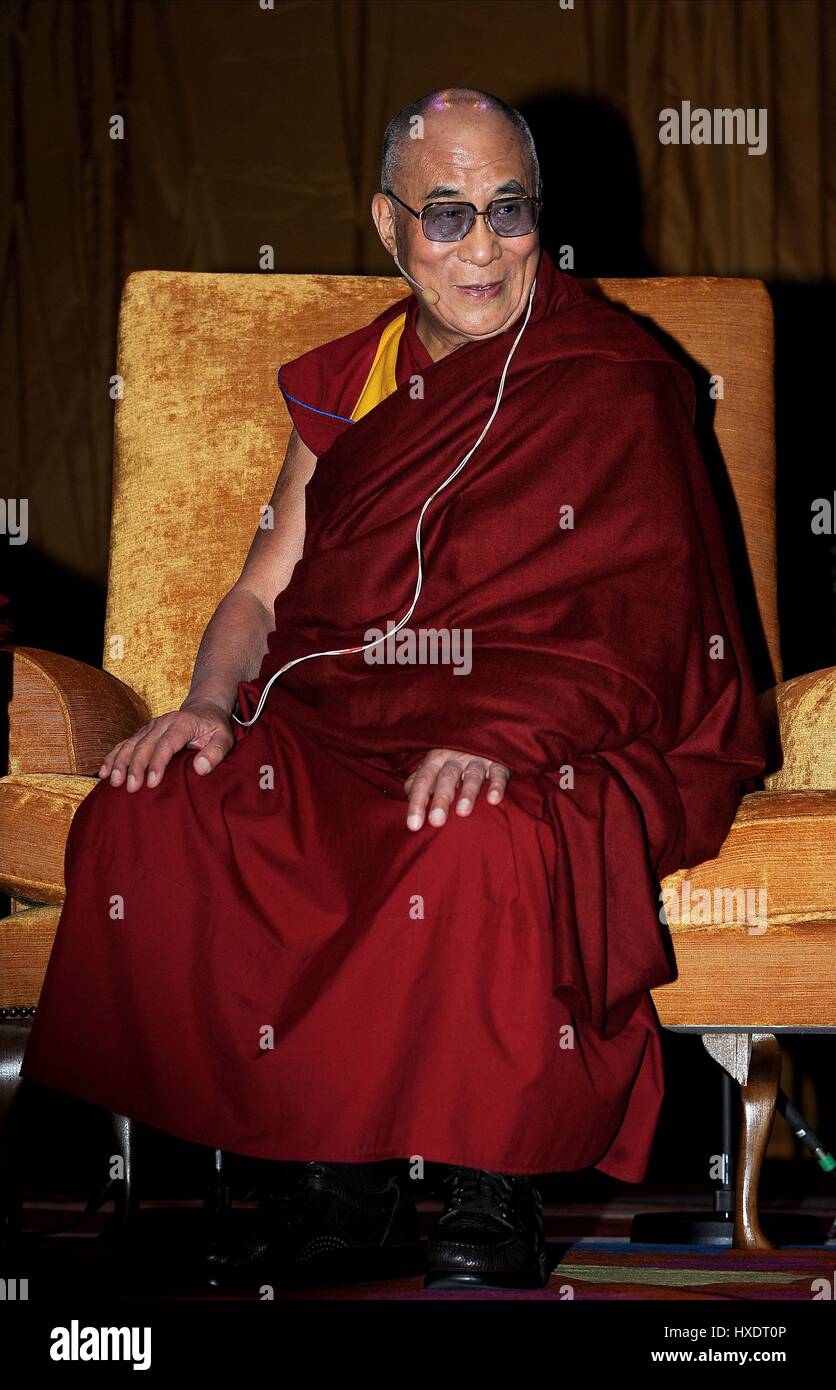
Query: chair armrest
{"points": [[799, 719], [64, 715]]}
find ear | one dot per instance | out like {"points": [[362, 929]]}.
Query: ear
{"points": [[384, 220]]}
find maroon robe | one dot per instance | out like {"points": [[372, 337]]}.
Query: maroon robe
{"points": [[296, 974]]}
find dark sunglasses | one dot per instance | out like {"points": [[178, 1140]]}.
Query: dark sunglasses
{"points": [[452, 221]]}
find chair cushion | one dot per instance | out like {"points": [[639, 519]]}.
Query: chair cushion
{"points": [[36, 809], [754, 930], [26, 938]]}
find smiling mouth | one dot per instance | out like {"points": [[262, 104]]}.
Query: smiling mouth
{"points": [[481, 291]]}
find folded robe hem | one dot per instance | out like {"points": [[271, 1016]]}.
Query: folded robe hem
{"points": [[355, 1156]]}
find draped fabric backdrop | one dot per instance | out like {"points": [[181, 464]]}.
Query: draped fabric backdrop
{"points": [[247, 127]]}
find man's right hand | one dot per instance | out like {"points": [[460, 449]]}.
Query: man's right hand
{"points": [[197, 724]]}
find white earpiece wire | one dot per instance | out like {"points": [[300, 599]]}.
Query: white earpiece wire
{"points": [[343, 651]]}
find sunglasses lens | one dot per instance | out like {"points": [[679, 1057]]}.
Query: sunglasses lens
{"points": [[452, 221], [447, 221], [514, 218]]}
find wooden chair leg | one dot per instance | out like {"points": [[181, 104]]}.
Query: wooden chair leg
{"points": [[758, 1097]]}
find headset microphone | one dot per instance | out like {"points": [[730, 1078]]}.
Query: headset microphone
{"points": [[429, 296]]}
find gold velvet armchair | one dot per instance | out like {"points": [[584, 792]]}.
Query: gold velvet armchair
{"points": [[199, 435]]}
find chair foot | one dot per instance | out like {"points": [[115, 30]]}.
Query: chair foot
{"points": [[758, 1098], [753, 1060]]}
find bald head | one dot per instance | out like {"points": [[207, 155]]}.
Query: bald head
{"points": [[466, 103]]}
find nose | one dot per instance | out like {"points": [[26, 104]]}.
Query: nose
{"points": [[481, 245]]}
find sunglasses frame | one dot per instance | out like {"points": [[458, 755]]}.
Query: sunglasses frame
{"points": [[455, 202]]}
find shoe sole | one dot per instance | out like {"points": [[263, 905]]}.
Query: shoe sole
{"points": [[471, 1279]]}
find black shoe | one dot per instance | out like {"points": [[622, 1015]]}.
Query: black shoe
{"points": [[490, 1234], [325, 1226]]}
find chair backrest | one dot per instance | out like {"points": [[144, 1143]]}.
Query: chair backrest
{"points": [[201, 430]]}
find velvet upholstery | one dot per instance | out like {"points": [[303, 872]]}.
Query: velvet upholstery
{"points": [[800, 719], [64, 715], [36, 809], [735, 972], [26, 938]]}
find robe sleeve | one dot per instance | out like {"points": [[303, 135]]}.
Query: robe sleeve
{"points": [[311, 386], [321, 387]]}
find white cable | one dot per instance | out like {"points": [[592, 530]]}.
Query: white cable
{"points": [[343, 651]]}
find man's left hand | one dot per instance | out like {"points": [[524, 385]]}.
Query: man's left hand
{"points": [[437, 777]]}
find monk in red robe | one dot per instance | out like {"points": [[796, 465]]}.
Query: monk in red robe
{"points": [[348, 907]]}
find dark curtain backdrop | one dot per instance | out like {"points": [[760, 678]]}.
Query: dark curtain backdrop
{"points": [[247, 125]]}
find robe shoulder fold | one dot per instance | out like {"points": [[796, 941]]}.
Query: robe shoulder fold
{"points": [[329, 388]]}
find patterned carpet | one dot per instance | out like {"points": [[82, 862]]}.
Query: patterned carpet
{"points": [[589, 1247], [611, 1270]]}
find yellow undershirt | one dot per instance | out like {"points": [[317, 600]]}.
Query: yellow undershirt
{"points": [[381, 381]]}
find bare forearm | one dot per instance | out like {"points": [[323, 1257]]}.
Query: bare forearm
{"points": [[231, 649]]}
